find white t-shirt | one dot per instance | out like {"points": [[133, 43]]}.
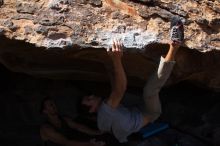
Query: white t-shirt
{"points": [[121, 121]]}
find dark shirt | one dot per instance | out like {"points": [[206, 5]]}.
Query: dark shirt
{"points": [[67, 132]]}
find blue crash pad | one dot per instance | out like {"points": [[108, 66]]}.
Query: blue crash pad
{"points": [[152, 129]]}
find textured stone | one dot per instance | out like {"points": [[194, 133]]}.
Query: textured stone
{"points": [[1, 2], [97, 3], [23, 16], [10, 25], [118, 15], [217, 9], [175, 8], [28, 30], [26, 7], [49, 19], [150, 12], [202, 21], [215, 22], [42, 30], [57, 43], [2, 31], [87, 27], [129, 13], [131, 38], [60, 5], [56, 3]]}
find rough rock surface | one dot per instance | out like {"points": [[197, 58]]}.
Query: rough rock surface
{"points": [[70, 36]]}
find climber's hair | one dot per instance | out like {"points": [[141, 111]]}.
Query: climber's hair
{"points": [[43, 102]]}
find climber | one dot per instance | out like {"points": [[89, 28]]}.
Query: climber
{"points": [[122, 121], [60, 130]]}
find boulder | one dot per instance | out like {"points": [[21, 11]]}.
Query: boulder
{"points": [[66, 39]]}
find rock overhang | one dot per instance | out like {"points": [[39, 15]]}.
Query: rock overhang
{"points": [[94, 23], [77, 30]]}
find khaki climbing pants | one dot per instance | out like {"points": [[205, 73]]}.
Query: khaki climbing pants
{"points": [[152, 105]]}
